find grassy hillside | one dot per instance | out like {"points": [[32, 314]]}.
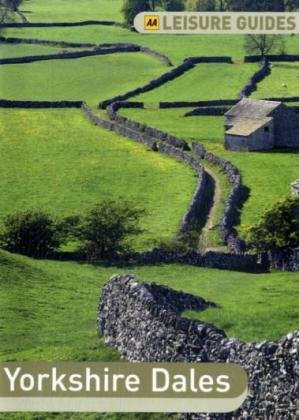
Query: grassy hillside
{"points": [[267, 175], [91, 79], [49, 309], [204, 82], [58, 161]]}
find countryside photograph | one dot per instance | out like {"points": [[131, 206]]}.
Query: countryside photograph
{"points": [[149, 189]]}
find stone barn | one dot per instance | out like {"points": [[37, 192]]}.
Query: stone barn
{"points": [[254, 124]]}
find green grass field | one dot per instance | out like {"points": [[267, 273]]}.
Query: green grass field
{"points": [[58, 161], [91, 79], [204, 82], [63, 11], [267, 175], [21, 50], [282, 82], [49, 309]]}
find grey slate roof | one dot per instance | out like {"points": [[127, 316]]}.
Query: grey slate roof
{"points": [[252, 109], [245, 127]]}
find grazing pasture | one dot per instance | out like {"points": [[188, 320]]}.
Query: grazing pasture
{"points": [[204, 82], [91, 78], [64, 11], [57, 161], [282, 82]]}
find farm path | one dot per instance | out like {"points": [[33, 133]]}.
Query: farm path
{"points": [[216, 193]]}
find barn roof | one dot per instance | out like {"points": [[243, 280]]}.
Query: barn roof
{"points": [[247, 126], [252, 109]]}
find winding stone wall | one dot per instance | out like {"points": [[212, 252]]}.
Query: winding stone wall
{"points": [[260, 75], [143, 322], [234, 199], [236, 196], [157, 141]]}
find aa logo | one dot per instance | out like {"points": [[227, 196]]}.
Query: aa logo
{"points": [[152, 23]]}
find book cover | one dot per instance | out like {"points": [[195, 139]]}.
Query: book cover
{"points": [[149, 212]]}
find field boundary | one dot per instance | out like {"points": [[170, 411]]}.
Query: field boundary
{"points": [[187, 65], [61, 24], [272, 57], [127, 308], [259, 76], [237, 194], [107, 48]]}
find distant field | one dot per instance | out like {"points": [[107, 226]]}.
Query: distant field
{"points": [[64, 11], [20, 50], [204, 82], [58, 161], [177, 47], [91, 79], [267, 175], [282, 82]]}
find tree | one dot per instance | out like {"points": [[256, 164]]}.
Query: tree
{"points": [[106, 227], [173, 5], [278, 228], [264, 44], [32, 233], [291, 5], [255, 5], [10, 4], [131, 8], [201, 5]]}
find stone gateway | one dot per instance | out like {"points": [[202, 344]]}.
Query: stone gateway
{"points": [[253, 125]]}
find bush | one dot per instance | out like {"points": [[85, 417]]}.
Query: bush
{"points": [[107, 227], [278, 228], [32, 233]]}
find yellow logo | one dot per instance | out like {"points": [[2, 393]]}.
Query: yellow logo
{"points": [[151, 23]]}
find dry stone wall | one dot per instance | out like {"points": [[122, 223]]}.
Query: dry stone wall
{"points": [[260, 75], [153, 84], [234, 199], [236, 196], [191, 104], [143, 322], [278, 57], [64, 55], [60, 24]]}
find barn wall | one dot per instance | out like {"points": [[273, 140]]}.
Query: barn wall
{"points": [[286, 127]]}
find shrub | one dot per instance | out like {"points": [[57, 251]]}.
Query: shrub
{"points": [[32, 233], [278, 228], [107, 227]]}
